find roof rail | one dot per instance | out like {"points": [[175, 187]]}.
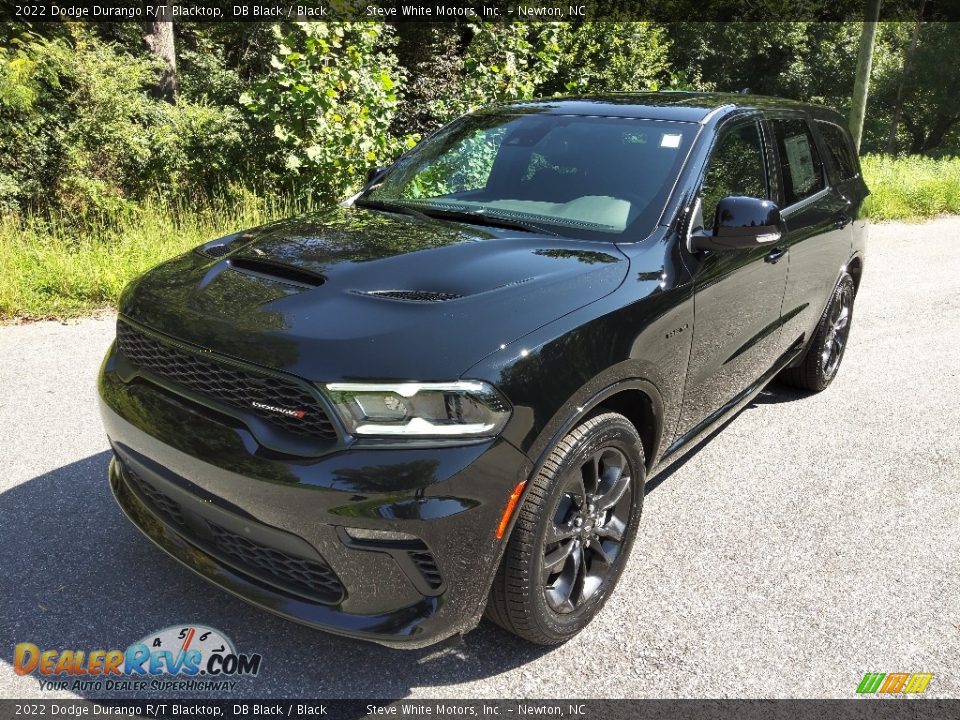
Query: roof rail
{"points": [[709, 116]]}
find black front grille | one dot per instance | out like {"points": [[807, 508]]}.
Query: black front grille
{"points": [[164, 506], [309, 576], [282, 403], [427, 567]]}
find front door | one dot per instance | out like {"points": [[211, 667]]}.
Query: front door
{"points": [[737, 293]]}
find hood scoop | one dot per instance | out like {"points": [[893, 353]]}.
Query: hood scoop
{"points": [[280, 272], [216, 251], [431, 296]]}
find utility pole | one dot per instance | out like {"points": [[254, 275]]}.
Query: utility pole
{"points": [[861, 84]]}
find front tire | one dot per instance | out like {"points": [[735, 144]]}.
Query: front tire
{"points": [[573, 533], [819, 366]]}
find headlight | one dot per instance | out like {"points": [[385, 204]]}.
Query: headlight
{"points": [[465, 408]]}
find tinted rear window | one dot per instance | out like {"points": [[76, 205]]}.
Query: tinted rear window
{"points": [[839, 149]]}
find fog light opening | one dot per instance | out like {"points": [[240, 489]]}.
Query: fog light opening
{"points": [[381, 535]]}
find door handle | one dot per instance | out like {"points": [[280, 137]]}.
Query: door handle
{"points": [[775, 255]]}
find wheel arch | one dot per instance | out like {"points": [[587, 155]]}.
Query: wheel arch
{"points": [[637, 406], [855, 268], [636, 399]]}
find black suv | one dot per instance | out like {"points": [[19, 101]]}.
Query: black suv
{"points": [[443, 398]]}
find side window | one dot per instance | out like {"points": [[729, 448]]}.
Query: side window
{"points": [[736, 167], [800, 164], [839, 148]]}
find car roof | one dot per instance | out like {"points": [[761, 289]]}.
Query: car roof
{"points": [[683, 106]]}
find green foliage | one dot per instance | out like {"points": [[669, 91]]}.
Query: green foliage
{"points": [[930, 120], [50, 269], [79, 131], [502, 61], [329, 99], [911, 188], [600, 57], [802, 60], [27, 69]]}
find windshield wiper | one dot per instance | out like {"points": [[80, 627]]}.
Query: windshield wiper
{"points": [[390, 207], [478, 217]]}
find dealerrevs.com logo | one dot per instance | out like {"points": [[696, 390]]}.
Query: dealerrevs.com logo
{"points": [[894, 683], [180, 657]]}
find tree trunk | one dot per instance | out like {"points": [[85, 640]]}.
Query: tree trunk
{"points": [[941, 126], [158, 37], [861, 85], [898, 103]]}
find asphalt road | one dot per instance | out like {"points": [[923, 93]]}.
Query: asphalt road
{"points": [[811, 540]]}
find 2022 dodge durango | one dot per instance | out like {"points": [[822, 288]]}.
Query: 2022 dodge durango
{"points": [[443, 398]]}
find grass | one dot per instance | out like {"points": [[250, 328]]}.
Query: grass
{"points": [[49, 269], [911, 188]]}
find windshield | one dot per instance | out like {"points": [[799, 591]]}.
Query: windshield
{"points": [[579, 176]]}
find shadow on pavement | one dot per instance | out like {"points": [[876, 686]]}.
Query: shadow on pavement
{"points": [[770, 395], [775, 393], [78, 575]]}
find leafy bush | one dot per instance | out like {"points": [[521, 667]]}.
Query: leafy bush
{"points": [[600, 57], [27, 72], [80, 133], [329, 101], [503, 61]]}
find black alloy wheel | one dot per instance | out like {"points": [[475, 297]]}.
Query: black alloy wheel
{"points": [[573, 533], [819, 366], [587, 532]]}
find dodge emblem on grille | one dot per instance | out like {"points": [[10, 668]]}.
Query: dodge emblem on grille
{"points": [[297, 413]]}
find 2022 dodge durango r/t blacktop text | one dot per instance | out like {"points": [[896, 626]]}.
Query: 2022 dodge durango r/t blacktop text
{"points": [[444, 397]]}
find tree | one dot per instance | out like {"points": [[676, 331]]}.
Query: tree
{"points": [[807, 61], [904, 73], [931, 108], [158, 37]]}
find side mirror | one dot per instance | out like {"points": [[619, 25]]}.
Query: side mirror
{"points": [[740, 223], [374, 173]]}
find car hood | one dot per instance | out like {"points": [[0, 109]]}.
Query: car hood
{"points": [[360, 294]]}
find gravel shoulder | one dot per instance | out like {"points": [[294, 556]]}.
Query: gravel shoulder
{"points": [[813, 539]]}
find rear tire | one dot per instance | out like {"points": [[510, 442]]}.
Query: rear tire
{"points": [[573, 533], [822, 361]]}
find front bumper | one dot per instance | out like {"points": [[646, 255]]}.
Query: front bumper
{"points": [[272, 529]]}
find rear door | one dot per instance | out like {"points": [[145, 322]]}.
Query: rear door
{"points": [[818, 221]]}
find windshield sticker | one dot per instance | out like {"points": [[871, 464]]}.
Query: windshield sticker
{"points": [[670, 140]]}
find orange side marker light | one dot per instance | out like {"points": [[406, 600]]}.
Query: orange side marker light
{"points": [[508, 510]]}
